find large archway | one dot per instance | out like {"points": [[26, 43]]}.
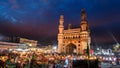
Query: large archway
{"points": [[70, 48]]}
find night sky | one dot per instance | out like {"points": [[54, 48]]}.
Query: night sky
{"points": [[39, 19]]}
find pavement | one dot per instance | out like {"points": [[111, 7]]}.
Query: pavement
{"points": [[108, 65], [115, 66]]}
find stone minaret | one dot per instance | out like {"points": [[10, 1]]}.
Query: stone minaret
{"points": [[69, 26], [85, 32], [60, 34], [84, 23]]}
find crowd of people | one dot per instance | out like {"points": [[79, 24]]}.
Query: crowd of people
{"points": [[36, 59]]}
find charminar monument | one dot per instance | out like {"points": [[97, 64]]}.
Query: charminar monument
{"points": [[74, 40]]}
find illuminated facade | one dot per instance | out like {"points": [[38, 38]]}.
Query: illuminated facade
{"points": [[74, 40], [31, 43], [9, 45]]}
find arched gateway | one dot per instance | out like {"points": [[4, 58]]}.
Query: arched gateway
{"points": [[70, 48], [74, 39]]}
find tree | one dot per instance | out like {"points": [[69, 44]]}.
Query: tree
{"points": [[88, 55]]}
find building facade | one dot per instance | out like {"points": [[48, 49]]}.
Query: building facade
{"points": [[9, 45], [30, 43], [74, 40]]}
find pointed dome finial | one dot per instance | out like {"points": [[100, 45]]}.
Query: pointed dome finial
{"points": [[62, 17], [83, 15], [83, 10]]}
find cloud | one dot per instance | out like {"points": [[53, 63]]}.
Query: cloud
{"points": [[40, 18]]}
